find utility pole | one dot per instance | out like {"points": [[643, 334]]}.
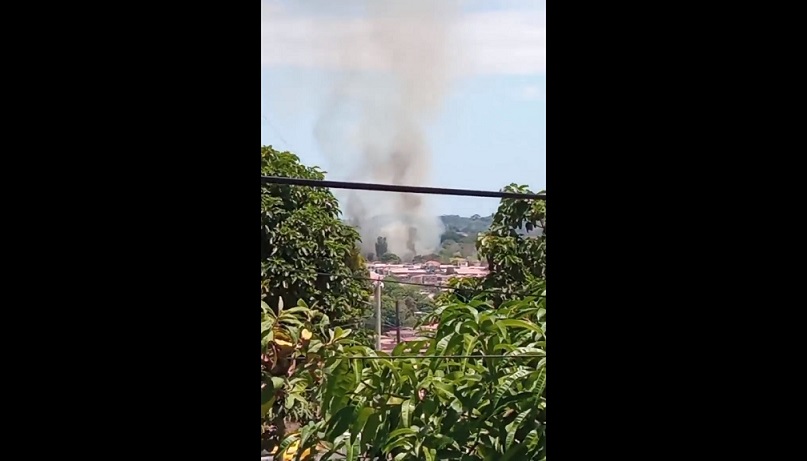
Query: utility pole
{"points": [[378, 316], [398, 320]]}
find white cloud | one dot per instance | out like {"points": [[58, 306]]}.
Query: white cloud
{"points": [[504, 42], [509, 42]]}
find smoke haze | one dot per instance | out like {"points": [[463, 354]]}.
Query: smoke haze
{"points": [[372, 128]]}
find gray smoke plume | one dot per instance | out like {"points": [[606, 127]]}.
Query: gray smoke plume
{"points": [[372, 128]]}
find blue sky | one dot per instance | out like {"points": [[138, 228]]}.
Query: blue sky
{"points": [[489, 128]]}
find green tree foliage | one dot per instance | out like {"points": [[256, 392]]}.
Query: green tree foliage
{"points": [[470, 225], [450, 235], [473, 224], [388, 319], [291, 389], [515, 249], [450, 246], [442, 408], [517, 262], [303, 237], [282, 399], [453, 242], [381, 246], [465, 248], [447, 405], [413, 300]]}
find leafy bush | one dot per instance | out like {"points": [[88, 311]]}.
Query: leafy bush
{"points": [[292, 356], [303, 237], [450, 407], [517, 262], [474, 390], [412, 300]]}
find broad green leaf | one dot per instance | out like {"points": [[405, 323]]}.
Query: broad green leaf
{"points": [[445, 391], [370, 431], [399, 349], [524, 399], [515, 323], [353, 449], [357, 368], [469, 342], [305, 436], [397, 438], [267, 327], [513, 452], [407, 407], [456, 404], [527, 351], [442, 441], [467, 327], [540, 382], [278, 382], [408, 373], [513, 427], [340, 421], [532, 439], [289, 320], [295, 310], [314, 346], [284, 445], [507, 383], [429, 453], [267, 407], [502, 330], [339, 333], [361, 421], [503, 347], [290, 400], [268, 395], [451, 348], [337, 363]]}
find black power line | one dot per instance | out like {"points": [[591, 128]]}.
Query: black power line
{"points": [[397, 188]]}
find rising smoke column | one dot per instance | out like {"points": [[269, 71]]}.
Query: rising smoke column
{"points": [[372, 127]]}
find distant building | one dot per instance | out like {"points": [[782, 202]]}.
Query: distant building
{"points": [[473, 271], [460, 262], [431, 272]]}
